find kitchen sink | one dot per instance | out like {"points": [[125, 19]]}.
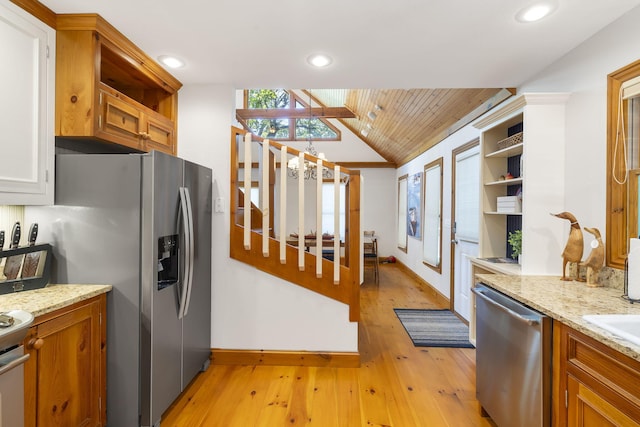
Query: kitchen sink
{"points": [[625, 326]]}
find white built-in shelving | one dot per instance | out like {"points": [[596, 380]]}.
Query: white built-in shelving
{"points": [[538, 178]]}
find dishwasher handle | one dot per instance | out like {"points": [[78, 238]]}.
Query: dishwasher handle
{"points": [[14, 363], [527, 320]]}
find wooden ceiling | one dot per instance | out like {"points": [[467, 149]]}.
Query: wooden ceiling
{"points": [[408, 121]]}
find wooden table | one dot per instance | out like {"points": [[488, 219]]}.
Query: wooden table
{"points": [[311, 243]]}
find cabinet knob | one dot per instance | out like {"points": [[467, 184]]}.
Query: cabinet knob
{"points": [[35, 343], [144, 135]]}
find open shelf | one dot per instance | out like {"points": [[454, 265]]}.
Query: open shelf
{"points": [[503, 213], [514, 150], [512, 181]]}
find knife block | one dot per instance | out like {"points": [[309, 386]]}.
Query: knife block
{"points": [[25, 268]]}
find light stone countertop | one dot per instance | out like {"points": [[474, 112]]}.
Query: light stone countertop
{"points": [[50, 298], [567, 302]]}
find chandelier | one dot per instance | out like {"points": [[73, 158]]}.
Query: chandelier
{"points": [[309, 169]]}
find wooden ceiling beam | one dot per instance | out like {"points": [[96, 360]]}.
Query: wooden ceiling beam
{"points": [[295, 113]]}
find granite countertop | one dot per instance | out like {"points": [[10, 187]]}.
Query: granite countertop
{"points": [[567, 302], [50, 298]]}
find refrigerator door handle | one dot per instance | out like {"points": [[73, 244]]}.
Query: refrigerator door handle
{"points": [[191, 252], [187, 250]]}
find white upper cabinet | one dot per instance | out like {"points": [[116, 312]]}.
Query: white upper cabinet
{"points": [[27, 82]]}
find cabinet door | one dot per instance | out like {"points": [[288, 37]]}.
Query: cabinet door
{"points": [[159, 134], [120, 121], [587, 408], [26, 113], [63, 381]]}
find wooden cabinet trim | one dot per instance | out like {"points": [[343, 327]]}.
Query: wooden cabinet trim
{"points": [[63, 310], [38, 10], [617, 203]]}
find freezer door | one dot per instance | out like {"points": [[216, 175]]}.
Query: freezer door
{"points": [[161, 330], [95, 233], [197, 320]]}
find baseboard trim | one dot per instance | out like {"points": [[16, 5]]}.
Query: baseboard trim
{"points": [[426, 285], [285, 358]]}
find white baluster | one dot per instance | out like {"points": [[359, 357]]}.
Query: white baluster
{"points": [[247, 191], [319, 242], [301, 232], [283, 204], [265, 197], [336, 225]]}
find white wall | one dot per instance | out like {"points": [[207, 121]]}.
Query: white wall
{"points": [[250, 309], [583, 72], [379, 206], [413, 257]]}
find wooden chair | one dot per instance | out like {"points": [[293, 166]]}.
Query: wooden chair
{"points": [[371, 253]]}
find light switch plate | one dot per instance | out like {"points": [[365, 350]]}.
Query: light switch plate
{"points": [[219, 205]]}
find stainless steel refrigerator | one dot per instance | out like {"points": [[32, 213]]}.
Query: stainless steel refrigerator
{"points": [[142, 223]]}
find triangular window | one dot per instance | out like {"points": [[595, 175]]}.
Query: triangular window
{"points": [[281, 128]]}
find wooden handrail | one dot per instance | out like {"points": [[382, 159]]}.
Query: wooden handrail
{"points": [[334, 279]]}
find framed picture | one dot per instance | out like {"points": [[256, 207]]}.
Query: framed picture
{"points": [[402, 213], [414, 206]]}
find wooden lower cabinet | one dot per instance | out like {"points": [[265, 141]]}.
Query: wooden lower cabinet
{"points": [[586, 407], [594, 385], [65, 377]]}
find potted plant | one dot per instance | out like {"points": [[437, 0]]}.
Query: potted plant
{"points": [[515, 240]]}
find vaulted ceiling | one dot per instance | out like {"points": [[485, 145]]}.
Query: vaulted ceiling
{"points": [[400, 124]]}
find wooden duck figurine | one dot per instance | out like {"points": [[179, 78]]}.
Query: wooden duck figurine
{"points": [[595, 260], [575, 244]]}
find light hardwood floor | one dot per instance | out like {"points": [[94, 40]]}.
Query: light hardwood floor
{"points": [[397, 384]]}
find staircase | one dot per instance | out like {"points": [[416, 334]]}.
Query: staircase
{"points": [[275, 240]]}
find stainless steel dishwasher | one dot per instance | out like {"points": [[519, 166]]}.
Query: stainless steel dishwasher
{"points": [[14, 326], [513, 360]]}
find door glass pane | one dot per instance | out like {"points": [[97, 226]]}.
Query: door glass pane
{"points": [[468, 196], [432, 215]]}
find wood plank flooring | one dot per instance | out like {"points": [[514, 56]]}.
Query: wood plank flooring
{"points": [[397, 384]]}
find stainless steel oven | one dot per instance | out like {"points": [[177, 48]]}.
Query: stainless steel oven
{"points": [[14, 325], [513, 360]]}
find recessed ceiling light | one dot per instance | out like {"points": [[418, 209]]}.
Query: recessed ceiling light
{"points": [[171, 61], [319, 60], [536, 11]]}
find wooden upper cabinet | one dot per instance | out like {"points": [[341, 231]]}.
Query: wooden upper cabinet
{"points": [[109, 90]]}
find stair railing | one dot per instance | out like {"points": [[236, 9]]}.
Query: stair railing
{"points": [[266, 244]]}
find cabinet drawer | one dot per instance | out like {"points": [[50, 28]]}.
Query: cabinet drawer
{"points": [[120, 118], [159, 134], [617, 374]]}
